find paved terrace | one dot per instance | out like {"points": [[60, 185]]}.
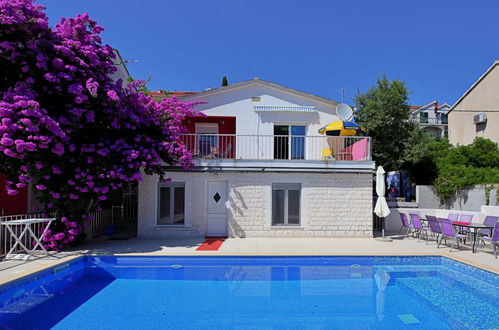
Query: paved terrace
{"points": [[13, 269]]}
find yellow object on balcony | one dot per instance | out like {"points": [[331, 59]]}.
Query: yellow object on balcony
{"points": [[341, 128], [327, 154]]}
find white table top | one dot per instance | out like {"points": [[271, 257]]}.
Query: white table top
{"points": [[26, 221]]}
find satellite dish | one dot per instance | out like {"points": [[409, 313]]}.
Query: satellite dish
{"points": [[344, 111]]}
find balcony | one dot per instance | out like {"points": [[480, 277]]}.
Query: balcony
{"points": [[433, 121], [278, 148]]}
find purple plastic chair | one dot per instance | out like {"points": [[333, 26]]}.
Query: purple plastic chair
{"points": [[434, 226], [490, 221], [453, 217], [494, 240], [418, 225], [448, 231], [405, 224], [466, 218]]}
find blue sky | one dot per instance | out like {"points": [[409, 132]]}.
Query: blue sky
{"points": [[439, 48]]}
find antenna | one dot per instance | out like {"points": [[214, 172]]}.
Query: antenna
{"points": [[344, 111]]}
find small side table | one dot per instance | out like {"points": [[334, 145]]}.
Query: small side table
{"points": [[26, 223]]}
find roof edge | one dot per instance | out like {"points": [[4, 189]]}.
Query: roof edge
{"points": [[496, 62], [257, 81]]}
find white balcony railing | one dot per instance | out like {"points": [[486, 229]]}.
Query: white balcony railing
{"points": [[282, 147]]}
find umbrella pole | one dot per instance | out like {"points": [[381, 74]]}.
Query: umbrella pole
{"points": [[383, 238]]}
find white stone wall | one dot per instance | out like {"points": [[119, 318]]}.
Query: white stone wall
{"points": [[332, 204]]}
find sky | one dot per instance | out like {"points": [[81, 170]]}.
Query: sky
{"points": [[438, 47]]}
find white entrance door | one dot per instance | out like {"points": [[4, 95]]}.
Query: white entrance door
{"points": [[216, 210]]}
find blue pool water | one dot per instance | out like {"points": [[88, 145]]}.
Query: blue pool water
{"points": [[110, 292]]}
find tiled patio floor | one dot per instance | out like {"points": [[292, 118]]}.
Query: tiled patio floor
{"points": [[12, 269]]}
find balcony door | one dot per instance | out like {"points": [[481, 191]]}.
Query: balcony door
{"points": [[289, 141], [206, 142]]}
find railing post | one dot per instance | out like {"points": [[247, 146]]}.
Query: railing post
{"points": [[369, 148]]}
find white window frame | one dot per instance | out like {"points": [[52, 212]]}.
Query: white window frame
{"points": [[171, 186], [286, 186]]}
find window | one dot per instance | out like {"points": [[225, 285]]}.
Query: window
{"points": [[423, 117], [171, 204], [286, 147], [444, 119], [286, 203]]}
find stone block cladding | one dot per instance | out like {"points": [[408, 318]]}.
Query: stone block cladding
{"points": [[332, 204]]}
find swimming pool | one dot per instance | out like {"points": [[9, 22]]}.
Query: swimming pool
{"points": [[122, 292]]}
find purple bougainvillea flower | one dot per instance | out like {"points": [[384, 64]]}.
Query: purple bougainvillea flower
{"points": [[113, 95], [59, 100]]}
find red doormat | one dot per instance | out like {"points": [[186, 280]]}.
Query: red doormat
{"points": [[211, 244]]}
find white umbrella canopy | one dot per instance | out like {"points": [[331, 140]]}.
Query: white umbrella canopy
{"points": [[381, 209]]}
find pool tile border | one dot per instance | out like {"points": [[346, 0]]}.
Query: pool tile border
{"points": [[67, 259]]}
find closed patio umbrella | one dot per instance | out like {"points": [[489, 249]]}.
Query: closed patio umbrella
{"points": [[381, 209]]}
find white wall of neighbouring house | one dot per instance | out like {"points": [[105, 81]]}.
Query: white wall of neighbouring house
{"points": [[332, 205]]}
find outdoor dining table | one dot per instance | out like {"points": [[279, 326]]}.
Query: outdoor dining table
{"points": [[27, 229], [475, 227]]}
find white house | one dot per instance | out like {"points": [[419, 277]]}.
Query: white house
{"points": [[261, 170], [432, 117]]}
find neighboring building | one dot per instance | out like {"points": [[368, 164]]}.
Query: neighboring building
{"points": [[121, 69], [476, 113], [261, 170], [432, 117], [12, 204]]}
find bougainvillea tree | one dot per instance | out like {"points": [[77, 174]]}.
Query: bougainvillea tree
{"points": [[66, 127]]}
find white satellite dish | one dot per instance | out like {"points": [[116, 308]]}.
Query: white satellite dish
{"points": [[344, 111]]}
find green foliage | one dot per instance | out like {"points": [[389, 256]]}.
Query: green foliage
{"points": [[384, 112], [142, 88], [419, 156], [464, 166], [224, 81]]}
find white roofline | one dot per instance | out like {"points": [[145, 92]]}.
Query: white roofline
{"points": [[496, 62], [257, 81]]}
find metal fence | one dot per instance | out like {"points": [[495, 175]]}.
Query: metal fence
{"points": [[121, 215], [118, 215], [282, 147], [101, 219], [6, 240]]}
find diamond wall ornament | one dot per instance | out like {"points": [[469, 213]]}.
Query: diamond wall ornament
{"points": [[217, 197]]}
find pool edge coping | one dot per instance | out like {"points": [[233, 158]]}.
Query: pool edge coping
{"points": [[211, 254]]}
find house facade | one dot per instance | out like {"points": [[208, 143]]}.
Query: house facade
{"points": [[476, 113], [262, 170], [432, 118]]}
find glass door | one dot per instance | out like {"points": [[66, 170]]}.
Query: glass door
{"points": [[281, 141], [289, 141], [297, 142]]}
